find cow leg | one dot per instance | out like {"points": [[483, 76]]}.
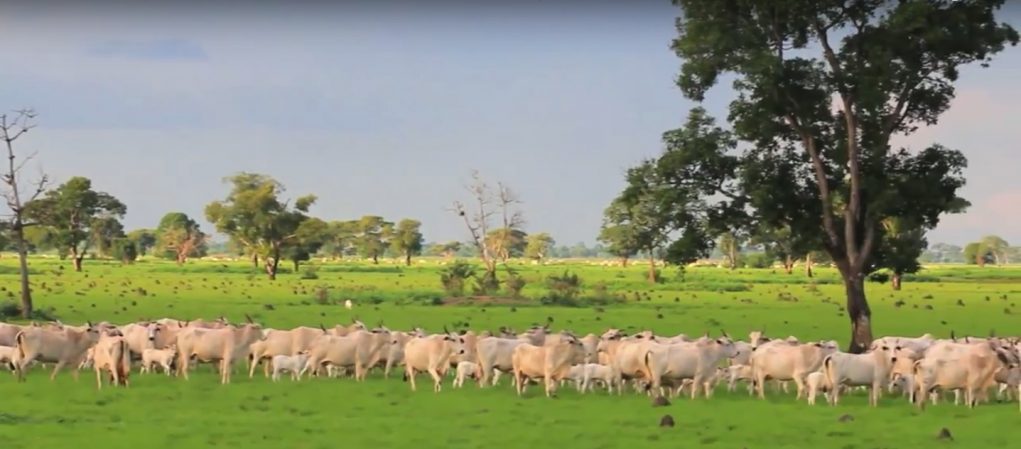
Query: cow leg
{"points": [[496, 376], [799, 382], [226, 366], [437, 379], [410, 372], [99, 379], [760, 384], [56, 369]]}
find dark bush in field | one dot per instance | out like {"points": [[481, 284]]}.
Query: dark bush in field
{"points": [[514, 284], [454, 277]]}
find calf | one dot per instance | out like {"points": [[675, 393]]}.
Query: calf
{"points": [[740, 372], [816, 382], [584, 374], [162, 357], [465, 370], [290, 363], [7, 355]]}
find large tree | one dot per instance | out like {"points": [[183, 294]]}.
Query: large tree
{"points": [[821, 87], [903, 243], [539, 246], [144, 239], [651, 209], [373, 237], [309, 238], [178, 237], [407, 239], [18, 196], [104, 232], [256, 219], [75, 212]]}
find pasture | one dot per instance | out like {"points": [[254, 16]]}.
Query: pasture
{"points": [[157, 411]]}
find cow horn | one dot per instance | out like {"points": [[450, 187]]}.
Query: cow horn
{"points": [[322, 327], [248, 318], [89, 323], [952, 336], [445, 331], [992, 333], [724, 333]]}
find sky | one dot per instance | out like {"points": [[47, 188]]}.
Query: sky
{"points": [[385, 107]]}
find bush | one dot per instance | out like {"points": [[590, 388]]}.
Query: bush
{"points": [[486, 284], [563, 288], [310, 273], [11, 309], [125, 250], [514, 284], [454, 276], [758, 260], [879, 278]]}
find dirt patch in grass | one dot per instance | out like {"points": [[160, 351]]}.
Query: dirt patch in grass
{"points": [[487, 301]]}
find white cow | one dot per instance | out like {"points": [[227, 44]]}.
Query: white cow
{"points": [[290, 363], [162, 357], [871, 369]]}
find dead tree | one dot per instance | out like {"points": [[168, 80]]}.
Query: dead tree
{"points": [[11, 128], [477, 221]]}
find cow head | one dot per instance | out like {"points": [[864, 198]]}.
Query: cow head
{"points": [[152, 331]]}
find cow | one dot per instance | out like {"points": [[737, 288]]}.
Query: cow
{"points": [[590, 343], [200, 323], [783, 361], [144, 335], [495, 355], [430, 354], [162, 357], [902, 362], [949, 365], [111, 354], [224, 345], [63, 347], [627, 355], [290, 363], [360, 350], [697, 361], [871, 369], [535, 336], [470, 341], [918, 345], [282, 342], [395, 352], [464, 371], [340, 331], [8, 334], [548, 362]]}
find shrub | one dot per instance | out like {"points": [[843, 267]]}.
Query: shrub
{"points": [[11, 309], [454, 276], [514, 284], [486, 284], [310, 273], [879, 278], [563, 288], [758, 260]]}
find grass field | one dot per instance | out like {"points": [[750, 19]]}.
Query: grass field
{"points": [[161, 412]]}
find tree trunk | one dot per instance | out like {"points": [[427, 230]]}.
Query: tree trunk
{"points": [[255, 260], [76, 259], [26, 290], [859, 313], [297, 264], [182, 258], [808, 264], [271, 269], [407, 259], [375, 259], [624, 261], [652, 268], [733, 257], [895, 281], [788, 265]]}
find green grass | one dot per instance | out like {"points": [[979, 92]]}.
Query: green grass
{"points": [[161, 412]]}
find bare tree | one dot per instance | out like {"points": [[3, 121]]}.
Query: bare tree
{"points": [[12, 127], [477, 221], [512, 219]]}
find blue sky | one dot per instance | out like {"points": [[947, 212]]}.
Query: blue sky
{"points": [[382, 108]]}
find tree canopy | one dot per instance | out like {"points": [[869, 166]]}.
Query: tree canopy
{"points": [[255, 217], [821, 87], [407, 239], [178, 237], [76, 213]]}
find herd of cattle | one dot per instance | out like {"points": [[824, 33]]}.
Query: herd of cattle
{"points": [[922, 368]]}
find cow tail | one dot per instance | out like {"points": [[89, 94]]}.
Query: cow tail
{"points": [[20, 339], [647, 362], [828, 372], [124, 362]]}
